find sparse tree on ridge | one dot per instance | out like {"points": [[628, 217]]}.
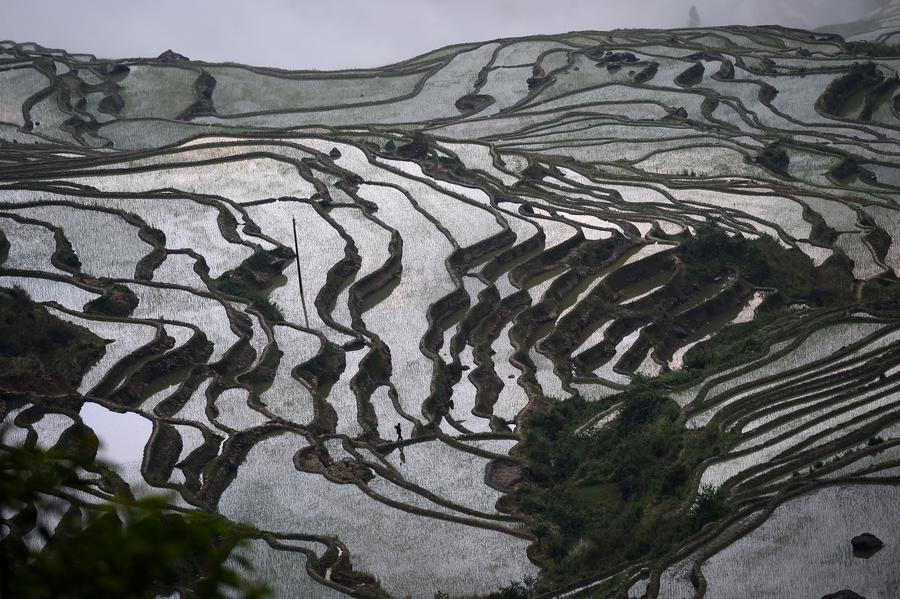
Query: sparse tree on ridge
{"points": [[693, 17]]}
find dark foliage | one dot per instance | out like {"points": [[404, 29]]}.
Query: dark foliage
{"points": [[4, 248], [881, 93], [845, 169], [764, 263], [692, 75], [254, 279], [39, 351], [133, 549], [117, 300], [648, 73], [415, 149], [860, 77], [617, 494], [775, 158], [872, 49]]}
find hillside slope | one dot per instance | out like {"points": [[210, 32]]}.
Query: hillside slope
{"points": [[507, 249]]}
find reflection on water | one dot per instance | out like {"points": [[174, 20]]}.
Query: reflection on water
{"points": [[122, 435]]}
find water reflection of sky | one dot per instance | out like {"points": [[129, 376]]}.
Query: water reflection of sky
{"points": [[122, 435]]}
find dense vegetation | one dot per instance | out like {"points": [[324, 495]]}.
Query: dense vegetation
{"points": [[621, 493], [872, 49], [775, 158], [764, 263], [858, 79], [39, 351], [128, 549], [116, 300], [254, 279], [617, 494]]}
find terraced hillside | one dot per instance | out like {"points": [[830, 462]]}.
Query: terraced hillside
{"points": [[505, 249]]}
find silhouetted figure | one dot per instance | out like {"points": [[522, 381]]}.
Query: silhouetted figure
{"points": [[693, 17], [450, 403], [399, 432]]}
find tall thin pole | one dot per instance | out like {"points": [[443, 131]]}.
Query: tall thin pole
{"points": [[299, 276]]}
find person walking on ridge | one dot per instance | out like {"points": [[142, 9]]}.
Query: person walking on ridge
{"points": [[399, 432]]}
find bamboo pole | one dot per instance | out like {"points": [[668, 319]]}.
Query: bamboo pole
{"points": [[299, 276]]}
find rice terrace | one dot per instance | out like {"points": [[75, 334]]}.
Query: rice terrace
{"points": [[598, 314]]}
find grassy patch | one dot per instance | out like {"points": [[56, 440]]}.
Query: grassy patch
{"points": [[883, 293], [764, 263], [692, 75], [879, 95], [39, 352], [731, 346], [872, 49], [775, 158], [845, 170], [621, 494], [859, 78], [880, 242], [513, 590], [618, 494], [117, 300], [255, 278]]}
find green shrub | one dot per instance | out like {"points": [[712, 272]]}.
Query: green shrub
{"points": [[692, 75], [127, 549], [117, 300], [775, 158], [39, 352], [709, 507], [872, 49], [617, 494], [845, 169], [254, 279], [860, 77], [764, 263]]}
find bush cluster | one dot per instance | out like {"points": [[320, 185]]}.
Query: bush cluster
{"points": [[860, 77], [618, 494]]}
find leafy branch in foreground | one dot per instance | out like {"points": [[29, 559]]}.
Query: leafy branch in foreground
{"points": [[124, 548]]}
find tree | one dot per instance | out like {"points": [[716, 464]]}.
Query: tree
{"points": [[123, 548], [540, 530], [693, 17], [710, 506]]}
